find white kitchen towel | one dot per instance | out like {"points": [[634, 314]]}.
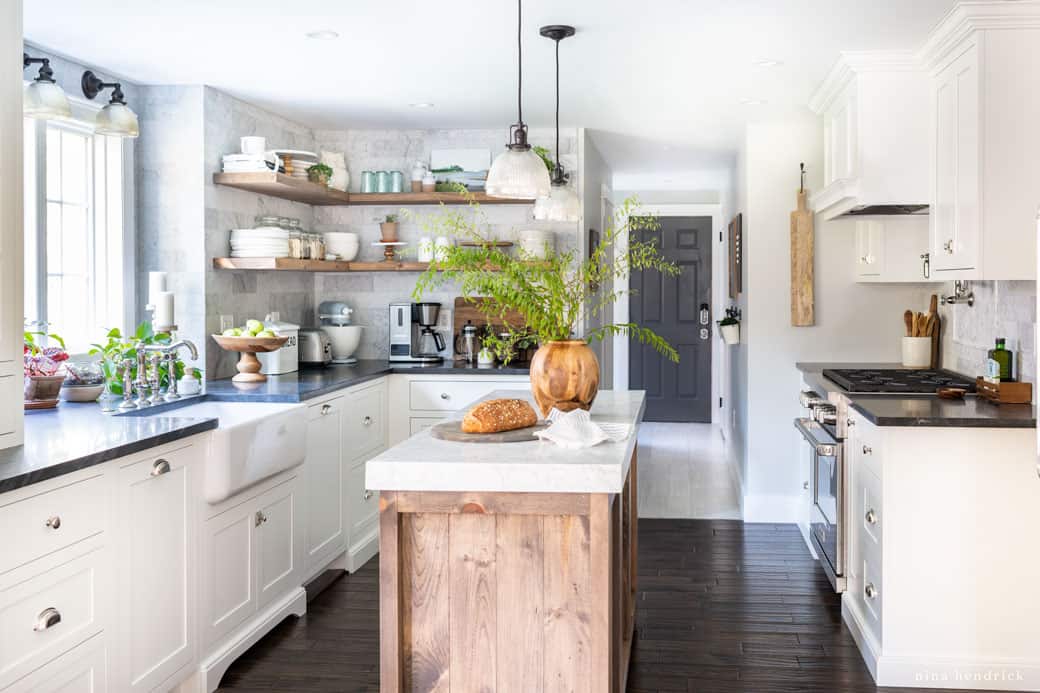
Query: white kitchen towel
{"points": [[576, 429]]}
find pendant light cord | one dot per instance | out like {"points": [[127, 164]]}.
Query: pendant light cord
{"points": [[519, 63], [557, 107]]}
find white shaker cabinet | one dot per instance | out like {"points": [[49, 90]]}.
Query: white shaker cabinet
{"points": [[984, 60], [154, 529], [892, 250], [326, 530], [279, 557]]}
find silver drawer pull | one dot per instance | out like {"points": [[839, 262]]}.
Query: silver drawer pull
{"points": [[48, 618], [870, 590], [368, 495], [851, 422], [867, 450], [871, 517], [445, 395], [326, 409], [367, 420], [260, 518], [53, 522], [805, 485], [160, 467]]}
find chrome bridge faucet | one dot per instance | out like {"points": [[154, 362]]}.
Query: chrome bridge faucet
{"points": [[160, 352]]}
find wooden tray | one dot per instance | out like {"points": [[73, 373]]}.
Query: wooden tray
{"points": [[452, 431], [1004, 392], [31, 404]]}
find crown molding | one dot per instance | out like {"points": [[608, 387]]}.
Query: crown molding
{"points": [[852, 63], [976, 15]]}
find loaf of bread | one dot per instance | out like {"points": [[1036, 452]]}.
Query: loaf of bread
{"points": [[498, 415]]}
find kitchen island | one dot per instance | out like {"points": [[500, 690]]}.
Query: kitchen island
{"points": [[508, 567]]}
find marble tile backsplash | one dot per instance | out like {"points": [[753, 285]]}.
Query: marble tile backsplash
{"points": [[1002, 309]]}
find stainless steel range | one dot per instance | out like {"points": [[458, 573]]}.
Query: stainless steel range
{"points": [[896, 381]]}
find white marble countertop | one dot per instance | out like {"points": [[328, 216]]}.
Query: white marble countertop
{"points": [[425, 463]]}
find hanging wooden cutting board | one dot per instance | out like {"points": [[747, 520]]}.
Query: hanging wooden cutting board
{"points": [[802, 242]]}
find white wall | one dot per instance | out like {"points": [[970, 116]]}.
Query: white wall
{"points": [[596, 178], [853, 322]]}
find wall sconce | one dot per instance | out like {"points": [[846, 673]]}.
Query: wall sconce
{"points": [[115, 118], [43, 98]]}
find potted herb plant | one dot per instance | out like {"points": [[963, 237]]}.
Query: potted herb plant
{"points": [[729, 327], [320, 174], [119, 353], [388, 228], [42, 368], [554, 296]]}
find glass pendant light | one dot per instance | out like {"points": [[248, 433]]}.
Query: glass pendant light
{"points": [[116, 118], [43, 98], [518, 172], [562, 202]]}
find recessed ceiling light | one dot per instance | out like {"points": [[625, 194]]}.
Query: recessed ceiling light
{"points": [[421, 104], [752, 102], [323, 35], [768, 62]]}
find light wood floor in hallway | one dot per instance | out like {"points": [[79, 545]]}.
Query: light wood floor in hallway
{"points": [[683, 473]]}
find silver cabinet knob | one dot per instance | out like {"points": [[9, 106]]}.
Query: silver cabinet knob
{"points": [[948, 247], [48, 618], [326, 409], [867, 450], [863, 260], [805, 485], [160, 467], [260, 518], [850, 422], [445, 395], [53, 522], [870, 590], [367, 495], [871, 517], [367, 421]]}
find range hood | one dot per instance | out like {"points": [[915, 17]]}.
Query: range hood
{"points": [[874, 106]]}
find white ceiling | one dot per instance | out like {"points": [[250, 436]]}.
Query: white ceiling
{"points": [[659, 81]]}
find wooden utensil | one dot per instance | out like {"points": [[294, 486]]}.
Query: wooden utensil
{"points": [[908, 320], [936, 330], [802, 243]]}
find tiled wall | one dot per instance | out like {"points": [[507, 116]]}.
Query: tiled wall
{"points": [[246, 294], [1002, 309], [370, 294]]}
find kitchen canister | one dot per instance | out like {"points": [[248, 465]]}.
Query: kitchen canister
{"points": [[396, 181], [382, 181], [425, 252], [917, 352], [418, 173], [440, 248], [368, 182], [429, 183]]}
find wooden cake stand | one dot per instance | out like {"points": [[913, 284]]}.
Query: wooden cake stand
{"points": [[249, 347]]}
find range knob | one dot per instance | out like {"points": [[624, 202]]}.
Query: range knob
{"points": [[810, 399], [825, 414]]}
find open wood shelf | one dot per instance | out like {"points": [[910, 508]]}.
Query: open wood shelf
{"points": [[297, 190], [284, 187], [434, 198], [287, 264]]}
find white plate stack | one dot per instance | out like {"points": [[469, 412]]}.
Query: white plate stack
{"points": [[259, 243]]}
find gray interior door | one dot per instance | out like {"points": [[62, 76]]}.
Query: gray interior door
{"points": [[670, 306]]}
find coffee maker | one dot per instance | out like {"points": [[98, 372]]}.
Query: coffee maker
{"points": [[413, 333]]}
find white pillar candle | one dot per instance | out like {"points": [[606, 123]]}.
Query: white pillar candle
{"points": [[156, 285], [163, 315]]}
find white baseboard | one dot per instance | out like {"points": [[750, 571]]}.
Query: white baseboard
{"points": [[362, 551], [939, 672], [759, 507]]}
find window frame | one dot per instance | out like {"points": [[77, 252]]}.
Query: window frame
{"points": [[83, 115]]}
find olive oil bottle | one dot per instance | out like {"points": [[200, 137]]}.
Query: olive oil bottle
{"points": [[1002, 359]]}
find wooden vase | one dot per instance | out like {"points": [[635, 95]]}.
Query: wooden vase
{"points": [[564, 375]]}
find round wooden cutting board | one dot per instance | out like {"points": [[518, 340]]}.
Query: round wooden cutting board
{"points": [[452, 431]]}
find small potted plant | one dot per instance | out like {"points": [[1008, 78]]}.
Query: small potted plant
{"points": [[388, 228], [320, 174], [729, 327], [43, 369]]}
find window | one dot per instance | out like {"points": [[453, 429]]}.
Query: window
{"points": [[78, 280]]}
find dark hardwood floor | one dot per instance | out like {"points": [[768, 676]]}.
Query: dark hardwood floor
{"points": [[723, 607]]}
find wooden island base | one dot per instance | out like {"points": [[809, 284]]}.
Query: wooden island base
{"points": [[500, 592]]}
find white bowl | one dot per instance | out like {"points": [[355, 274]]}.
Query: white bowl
{"points": [[345, 340], [343, 244]]}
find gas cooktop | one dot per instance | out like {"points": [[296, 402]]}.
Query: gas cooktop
{"points": [[896, 381]]}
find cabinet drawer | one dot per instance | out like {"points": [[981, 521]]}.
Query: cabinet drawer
{"points": [[866, 446], [363, 503], [871, 593], [42, 524], [83, 670], [48, 613], [364, 421], [434, 395]]}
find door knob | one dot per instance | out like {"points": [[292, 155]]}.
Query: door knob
{"points": [[260, 518], [367, 495], [871, 517], [53, 522], [445, 395], [325, 409], [367, 421]]}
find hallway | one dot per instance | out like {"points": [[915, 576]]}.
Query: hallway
{"points": [[683, 473]]}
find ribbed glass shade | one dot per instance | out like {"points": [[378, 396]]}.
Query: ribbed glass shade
{"points": [[519, 175], [116, 119], [561, 205], [45, 100]]}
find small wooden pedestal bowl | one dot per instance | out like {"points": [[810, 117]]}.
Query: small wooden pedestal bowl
{"points": [[249, 347]]}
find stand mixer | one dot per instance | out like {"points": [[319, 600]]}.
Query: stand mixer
{"points": [[335, 322]]}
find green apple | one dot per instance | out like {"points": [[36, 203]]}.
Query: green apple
{"points": [[232, 332], [254, 326], [265, 334]]}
